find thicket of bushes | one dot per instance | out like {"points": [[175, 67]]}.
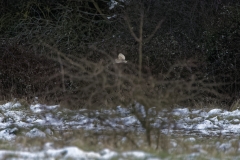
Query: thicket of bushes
{"points": [[62, 51]]}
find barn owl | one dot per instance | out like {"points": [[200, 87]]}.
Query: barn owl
{"points": [[121, 59]]}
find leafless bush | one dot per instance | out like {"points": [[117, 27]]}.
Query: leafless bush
{"points": [[79, 71]]}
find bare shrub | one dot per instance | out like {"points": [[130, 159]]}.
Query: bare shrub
{"points": [[104, 84], [93, 80], [164, 67]]}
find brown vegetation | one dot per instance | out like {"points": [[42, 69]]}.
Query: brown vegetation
{"points": [[26, 75], [162, 67], [64, 53]]}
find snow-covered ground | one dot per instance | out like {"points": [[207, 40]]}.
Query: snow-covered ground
{"points": [[40, 121]]}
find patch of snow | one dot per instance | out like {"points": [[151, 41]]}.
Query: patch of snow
{"points": [[72, 152], [196, 111], [8, 134], [14, 117], [190, 139], [35, 133], [136, 154], [107, 154], [37, 108], [205, 125], [214, 112], [10, 105], [231, 114], [181, 111]]}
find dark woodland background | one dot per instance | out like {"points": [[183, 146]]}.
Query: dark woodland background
{"points": [[185, 52]]}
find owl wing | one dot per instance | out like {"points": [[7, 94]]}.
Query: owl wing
{"points": [[121, 56]]}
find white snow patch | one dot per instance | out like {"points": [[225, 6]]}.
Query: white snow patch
{"points": [[35, 133], [10, 105], [8, 134], [37, 108], [181, 111], [214, 111]]}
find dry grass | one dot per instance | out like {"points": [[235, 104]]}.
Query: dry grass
{"points": [[175, 146]]}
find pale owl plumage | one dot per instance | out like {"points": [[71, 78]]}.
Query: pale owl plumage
{"points": [[121, 59]]}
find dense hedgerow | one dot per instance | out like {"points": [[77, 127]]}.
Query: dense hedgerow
{"points": [[63, 51]]}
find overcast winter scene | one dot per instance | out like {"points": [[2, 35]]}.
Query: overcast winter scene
{"points": [[119, 79]]}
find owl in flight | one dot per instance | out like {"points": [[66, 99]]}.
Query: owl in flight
{"points": [[120, 59]]}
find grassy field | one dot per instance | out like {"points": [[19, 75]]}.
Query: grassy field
{"points": [[43, 129]]}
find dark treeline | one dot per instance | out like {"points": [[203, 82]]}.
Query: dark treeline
{"points": [[202, 35]]}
